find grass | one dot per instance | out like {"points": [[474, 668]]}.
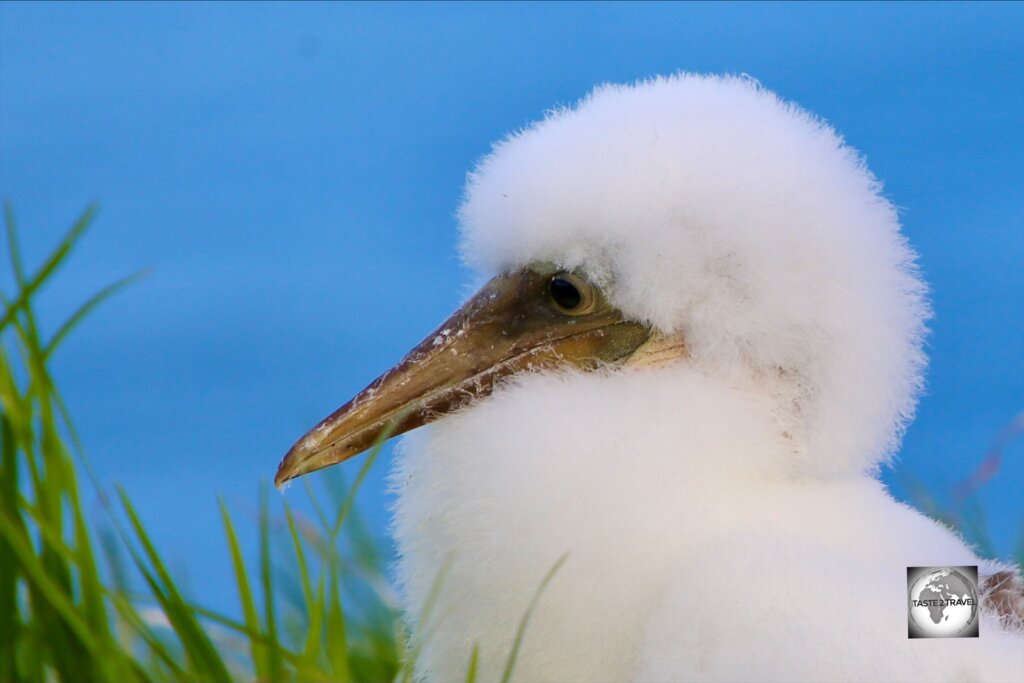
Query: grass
{"points": [[317, 609], [68, 610]]}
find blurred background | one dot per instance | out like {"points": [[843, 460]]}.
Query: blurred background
{"points": [[289, 173]]}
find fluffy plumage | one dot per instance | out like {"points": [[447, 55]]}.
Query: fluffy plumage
{"points": [[720, 513]]}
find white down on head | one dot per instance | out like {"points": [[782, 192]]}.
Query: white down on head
{"points": [[720, 513]]}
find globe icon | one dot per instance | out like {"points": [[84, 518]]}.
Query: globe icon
{"points": [[943, 603]]}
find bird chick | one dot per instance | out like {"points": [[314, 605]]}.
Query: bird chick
{"points": [[700, 339]]}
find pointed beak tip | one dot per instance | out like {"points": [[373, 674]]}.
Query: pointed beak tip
{"points": [[291, 465], [281, 478], [283, 475]]}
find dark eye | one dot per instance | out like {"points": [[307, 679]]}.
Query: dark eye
{"points": [[565, 293], [571, 295]]}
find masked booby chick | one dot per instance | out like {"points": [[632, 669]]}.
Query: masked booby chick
{"points": [[700, 340]]}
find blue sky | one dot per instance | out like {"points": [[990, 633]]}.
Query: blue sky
{"points": [[289, 174]]}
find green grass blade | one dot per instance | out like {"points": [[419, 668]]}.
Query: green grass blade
{"points": [[300, 557], [52, 262], [260, 659], [201, 652], [286, 655], [37, 574], [424, 627], [14, 250], [510, 665], [314, 603], [126, 610], [105, 659], [474, 660], [266, 574], [364, 469], [10, 613], [336, 631]]}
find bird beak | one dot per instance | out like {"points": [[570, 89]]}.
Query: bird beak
{"points": [[511, 325]]}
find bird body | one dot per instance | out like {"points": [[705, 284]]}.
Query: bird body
{"points": [[700, 341], [689, 557]]}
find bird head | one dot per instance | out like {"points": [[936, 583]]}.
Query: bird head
{"points": [[701, 215]]}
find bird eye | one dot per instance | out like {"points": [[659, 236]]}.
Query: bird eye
{"points": [[571, 295]]}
